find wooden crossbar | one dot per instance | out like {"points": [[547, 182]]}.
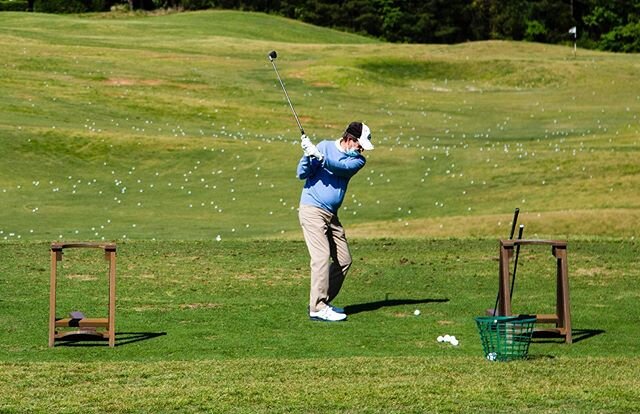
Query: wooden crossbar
{"points": [[83, 323]]}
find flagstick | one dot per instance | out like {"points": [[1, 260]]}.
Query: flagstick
{"points": [[574, 32]]}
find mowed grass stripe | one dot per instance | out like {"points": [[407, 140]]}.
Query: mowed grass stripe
{"points": [[359, 385]]}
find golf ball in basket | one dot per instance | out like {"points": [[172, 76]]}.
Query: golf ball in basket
{"points": [[416, 312]]}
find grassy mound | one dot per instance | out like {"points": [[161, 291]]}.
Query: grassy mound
{"points": [[174, 126]]}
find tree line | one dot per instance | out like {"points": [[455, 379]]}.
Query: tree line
{"points": [[612, 25]]}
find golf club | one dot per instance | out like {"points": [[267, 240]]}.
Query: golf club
{"points": [[515, 263], [513, 229], [513, 223], [272, 55]]}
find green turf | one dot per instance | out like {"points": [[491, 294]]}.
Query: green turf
{"points": [[206, 326], [166, 133]]}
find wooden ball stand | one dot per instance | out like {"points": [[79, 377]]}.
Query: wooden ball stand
{"points": [[83, 326], [562, 318]]}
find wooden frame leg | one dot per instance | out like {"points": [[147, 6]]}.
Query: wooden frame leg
{"points": [[52, 298], [504, 294], [112, 298], [562, 294]]}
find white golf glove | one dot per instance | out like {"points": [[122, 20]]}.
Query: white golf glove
{"points": [[309, 149], [305, 143]]}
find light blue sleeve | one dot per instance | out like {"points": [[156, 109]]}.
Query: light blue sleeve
{"points": [[307, 166], [344, 166]]}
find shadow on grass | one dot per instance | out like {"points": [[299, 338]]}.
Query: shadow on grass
{"points": [[540, 357], [576, 334], [122, 338], [372, 306]]}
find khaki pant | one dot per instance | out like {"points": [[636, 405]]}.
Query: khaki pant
{"points": [[329, 251]]}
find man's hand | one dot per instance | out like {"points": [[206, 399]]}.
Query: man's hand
{"points": [[309, 149], [306, 144]]}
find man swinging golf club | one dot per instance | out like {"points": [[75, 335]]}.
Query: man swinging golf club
{"points": [[327, 169]]}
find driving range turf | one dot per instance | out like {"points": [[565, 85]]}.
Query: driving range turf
{"points": [[170, 135]]}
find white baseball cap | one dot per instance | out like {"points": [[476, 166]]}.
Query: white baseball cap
{"points": [[362, 133]]}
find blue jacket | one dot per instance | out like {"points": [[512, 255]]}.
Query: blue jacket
{"points": [[326, 181]]}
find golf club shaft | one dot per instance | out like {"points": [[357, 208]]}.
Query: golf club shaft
{"points": [[513, 229], [287, 96], [515, 263], [513, 223]]}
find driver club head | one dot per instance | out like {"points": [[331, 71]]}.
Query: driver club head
{"points": [[272, 55]]}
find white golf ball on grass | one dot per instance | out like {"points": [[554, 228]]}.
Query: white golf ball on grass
{"points": [[448, 338], [416, 312]]}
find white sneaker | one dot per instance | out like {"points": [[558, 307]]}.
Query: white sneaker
{"points": [[336, 309], [327, 314]]}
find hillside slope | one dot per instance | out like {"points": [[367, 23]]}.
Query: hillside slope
{"points": [[174, 127]]}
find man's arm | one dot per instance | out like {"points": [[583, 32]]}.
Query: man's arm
{"points": [[345, 166], [307, 167]]}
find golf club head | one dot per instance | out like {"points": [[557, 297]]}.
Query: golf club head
{"points": [[272, 55]]}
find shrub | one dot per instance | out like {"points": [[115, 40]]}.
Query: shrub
{"points": [[13, 5], [622, 39], [70, 6], [535, 32], [197, 4]]}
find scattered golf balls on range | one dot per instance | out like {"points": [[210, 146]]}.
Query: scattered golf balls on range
{"points": [[448, 339]]}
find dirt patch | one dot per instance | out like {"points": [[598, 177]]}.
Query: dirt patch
{"points": [[133, 82], [246, 276], [589, 272], [152, 308], [82, 278], [199, 306]]}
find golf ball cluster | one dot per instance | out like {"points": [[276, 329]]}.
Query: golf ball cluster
{"points": [[492, 356], [448, 338]]}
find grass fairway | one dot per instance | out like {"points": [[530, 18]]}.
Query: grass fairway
{"points": [[221, 327], [170, 135]]}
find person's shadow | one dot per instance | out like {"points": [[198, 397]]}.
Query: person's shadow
{"points": [[372, 306]]}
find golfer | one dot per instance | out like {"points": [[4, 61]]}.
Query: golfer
{"points": [[327, 169]]}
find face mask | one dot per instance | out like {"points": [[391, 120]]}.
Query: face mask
{"points": [[352, 153]]}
